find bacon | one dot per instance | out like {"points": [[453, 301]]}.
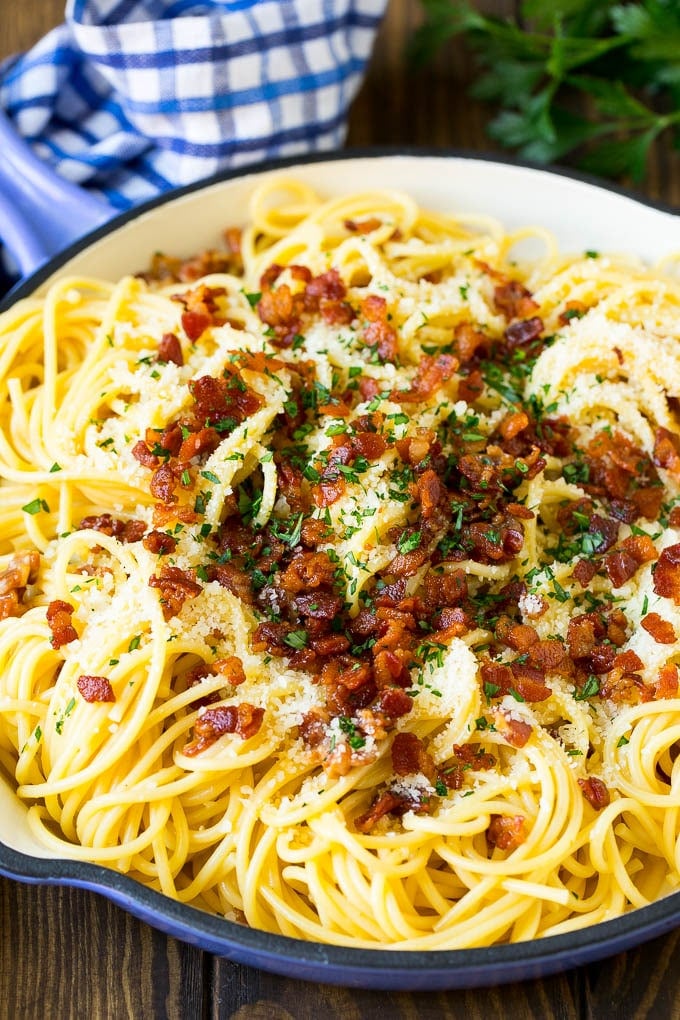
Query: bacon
{"points": [[666, 579], [470, 341], [667, 451], [442, 589], [388, 803], [432, 373], [506, 832], [234, 579], [363, 226], [378, 332], [471, 387], [515, 731], [513, 424], [125, 531], [164, 515], [523, 332], [393, 703], [430, 492], [170, 349], [141, 452], [307, 570], [528, 682], [620, 566], [227, 396], [595, 792], [314, 727], [244, 719], [200, 307], [661, 630], [231, 668], [21, 570], [163, 484], [584, 571], [582, 634], [59, 615], [175, 586], [514, 300], [409, 757], [95, 688], [319, 606], [666, 685], [159, 543]]}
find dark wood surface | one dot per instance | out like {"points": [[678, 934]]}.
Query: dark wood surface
{"points": [[68, 953]]}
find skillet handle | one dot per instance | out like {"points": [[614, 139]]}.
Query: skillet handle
{"points": [[40, 212]]}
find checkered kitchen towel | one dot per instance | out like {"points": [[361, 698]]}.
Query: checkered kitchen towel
{"points": [[131, 97]]}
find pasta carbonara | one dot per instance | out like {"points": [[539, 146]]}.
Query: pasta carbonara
{"points": [[340, 575]]}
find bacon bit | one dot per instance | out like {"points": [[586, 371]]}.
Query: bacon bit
{"points": [[227, 396], [416, 448], [363, 226], [667, 451], [628, 662], [393, 703], [314, 727], [524, 331], [21, 570], [231, 668], [469, 341], [176, 586], [674, 517], [204, 441], [514, 300], [661, 630], [159, 542], [595, 792], [666, 579], [641, 548], [444, 588], [666, 686], [307, 570], [506, 832], [95, 688], [409, 757], [244, 719], [513, 424], [234, 579], [141, 452], [388, 803], [164, 515], [125, 531], [525, 680], [432, 373], [379, 333], [584, 571], [430, 492], [620, 566], [200, 306], [471, 387], [515, 731], [163, 484], [59, 615], [582, 635], [170, 349]]}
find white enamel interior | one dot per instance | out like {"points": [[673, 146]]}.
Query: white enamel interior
{"points": [[581, 215]]}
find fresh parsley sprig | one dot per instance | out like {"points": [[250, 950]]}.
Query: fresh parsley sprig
{"points": [[592, 83]]}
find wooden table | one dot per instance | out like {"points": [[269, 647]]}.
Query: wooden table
{"points": [[67, 953]]}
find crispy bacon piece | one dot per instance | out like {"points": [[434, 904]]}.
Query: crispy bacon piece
{"points": [[389, 803], [620, 566], [225, 396], [163, 484], [513, 300], [515, 731], [175, 586], [434, 370], [506, 832], [661, 630], [595, 792], [523, 332], [470, 342], [363, 226], [159, 542], [21, 570], [231, 668], [95, 688], [141, 452], [59, 615], [200, 308], [507, 677], [244, 719], [164, 515], [584, 571], [314, 727], [378, 332], [667, 451], [409, 757], [125, 531], [170, 349], [666, 685], [666, 580]]}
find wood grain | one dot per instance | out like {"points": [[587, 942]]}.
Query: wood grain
{"points": [[69, 954]]}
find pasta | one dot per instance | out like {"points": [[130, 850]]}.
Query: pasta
{"points": [[340, 575]]}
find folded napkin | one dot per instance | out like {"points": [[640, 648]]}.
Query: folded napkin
{"points": [[131, 97]]}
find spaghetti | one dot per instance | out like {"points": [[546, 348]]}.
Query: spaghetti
{"points": [[340, 577]]}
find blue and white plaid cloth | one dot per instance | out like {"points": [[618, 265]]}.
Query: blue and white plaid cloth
{"points": [[131, 97]]}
